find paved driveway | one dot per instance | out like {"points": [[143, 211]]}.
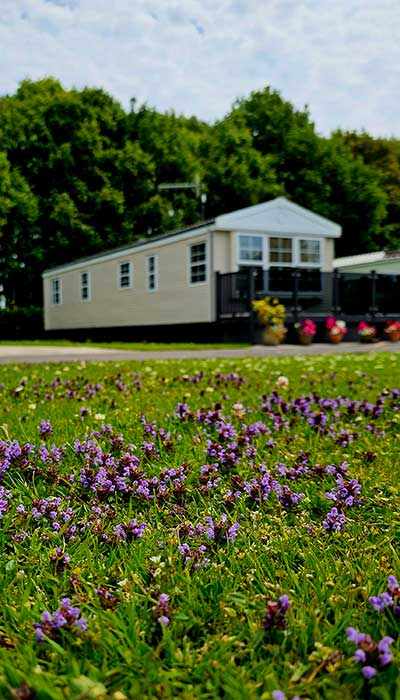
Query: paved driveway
{"points": [[16, 354]]}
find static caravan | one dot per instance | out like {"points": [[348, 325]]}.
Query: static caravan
{"points": [[171, 281], [386, 262]]}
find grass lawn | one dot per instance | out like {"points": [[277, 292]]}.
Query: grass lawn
{"points": [[200, 530], [127, 346]]}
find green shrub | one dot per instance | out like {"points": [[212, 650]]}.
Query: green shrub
{"points": [[21, 323]]}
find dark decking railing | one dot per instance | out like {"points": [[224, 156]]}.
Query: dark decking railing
{"points": [[309, 292]]}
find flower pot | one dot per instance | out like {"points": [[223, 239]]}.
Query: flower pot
{"points": [[393, 336], [335, 337], [273, 335], [305, 338], [366, 338]]}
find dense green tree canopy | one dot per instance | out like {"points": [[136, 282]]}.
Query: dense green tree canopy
{"points": [[78, 174]]}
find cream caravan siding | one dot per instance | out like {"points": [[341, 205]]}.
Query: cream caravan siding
{"points": [[327, 254], [174, 301], [223, 241]]}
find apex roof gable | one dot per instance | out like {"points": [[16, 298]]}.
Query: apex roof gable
{"points": [[279, 216]]}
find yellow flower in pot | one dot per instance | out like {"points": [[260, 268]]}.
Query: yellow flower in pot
{"points": [[271, 314]]}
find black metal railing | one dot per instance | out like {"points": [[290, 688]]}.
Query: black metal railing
{"points": [[309, 292]]}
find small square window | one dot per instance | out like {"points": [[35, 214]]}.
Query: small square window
{"points": [[125, 275], [56, 291]]}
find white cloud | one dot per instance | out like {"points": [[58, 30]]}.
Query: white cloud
{"points": [[341, 58]]}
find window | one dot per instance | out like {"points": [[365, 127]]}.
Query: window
{"points": [[152, 273], [198, 263], [310, 252], [251, 250], [56, 291], [125, 275], [85, 286], [280, 251]]}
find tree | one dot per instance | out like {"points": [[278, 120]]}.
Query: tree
{"points": [[288, 137], [19, 254], [237, 174], [78, 173], [69, 159], [173, 144], [383, 157], [321, 174]]}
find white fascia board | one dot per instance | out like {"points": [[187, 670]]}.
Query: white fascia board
{"points": [[127, 252]]}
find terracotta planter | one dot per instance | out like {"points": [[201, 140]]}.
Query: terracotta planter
{"points": [[305, 338], [335, 337], [393, 336], [273, 336]]}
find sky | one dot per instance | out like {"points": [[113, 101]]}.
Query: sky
{"points": [[341, 58]]}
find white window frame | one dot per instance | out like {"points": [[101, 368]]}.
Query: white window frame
{"points": [[130, 274], [251, 263], [88, 285], [310, 264], [57, 280], [190, 265], [150, 274], [282, 264]]}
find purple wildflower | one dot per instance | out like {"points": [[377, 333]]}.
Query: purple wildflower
{"points": [[14, 455], [183, 412], [334, 521], [346, 494], [389, 598], [60, 559], [66, 616], [5, 497], [195, 557], [289, 499], [107, 599], [275, 614], [372, 655], [162, 611], [131, 531], [368, 672], [223, 530], [259, 488], [45, 429]]}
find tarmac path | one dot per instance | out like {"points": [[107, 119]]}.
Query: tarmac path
{"points": [[29, 354]]}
